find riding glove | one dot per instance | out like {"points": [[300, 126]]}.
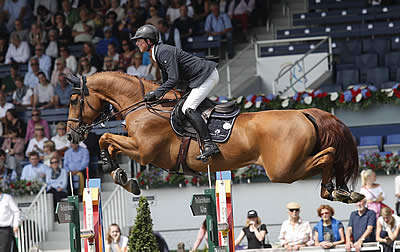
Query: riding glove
{"points": [[150, 96]]}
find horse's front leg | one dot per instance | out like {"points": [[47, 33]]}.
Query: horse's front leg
{"points": [[111, 144]]}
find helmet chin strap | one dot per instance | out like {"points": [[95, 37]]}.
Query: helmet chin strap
{"points": [[148, 45]]}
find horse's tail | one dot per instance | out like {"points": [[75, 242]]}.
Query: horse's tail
{"points": [[334, 133]]}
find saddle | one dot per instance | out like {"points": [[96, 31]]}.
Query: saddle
{"points": [[220, 119]]}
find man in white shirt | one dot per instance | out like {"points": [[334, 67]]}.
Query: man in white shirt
{"points": [[83, 31], [18, 51], [9, 221], [4, 106], [34, 171]]}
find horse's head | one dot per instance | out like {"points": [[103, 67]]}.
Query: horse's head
{"points": [[83, 110]]}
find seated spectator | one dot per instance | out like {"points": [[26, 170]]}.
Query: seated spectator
{"points": [[83, 30], [153, 72], [137, 68], [14, 145], [373, 192], [387, 229], [71, 14], [140, 11], [15, 10], [85, 68], [62, 93], [31, 79], [129, 24], [20, 30], [111, 21], [44, 18], [4, 106], [154, 18], [115, 241], [115, 7], [51, 6], [59, 68], [70, 61], [76, 159], [90, 53], [43, 93], [3, 49], [361, 227], [44, 60], [219, 24], [49, 151], [23, 95], [109, 64], [60, 139], [126, 55], [57, 181], [184, 24], [12, 121], [8, 167], [112, 52], [295, 233], [37, 35], [36, 144], [8, 82], [240, 10], [64, 32], [328, 232], [18, 51], [202, 234], [30, 130], [34, 171], [201, 9], [52, 46], [161, 8], [254, 231], [173, 12], [102, 45], [169, 35]]}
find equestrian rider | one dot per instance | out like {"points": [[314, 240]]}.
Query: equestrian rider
{"points": [[178, 66]]}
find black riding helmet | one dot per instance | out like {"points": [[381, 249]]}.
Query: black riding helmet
{"points": [[145, 32]]}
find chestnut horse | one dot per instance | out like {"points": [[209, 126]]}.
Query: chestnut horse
{"points": [[291, 145]]}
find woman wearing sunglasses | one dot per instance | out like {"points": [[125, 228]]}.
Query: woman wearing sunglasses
{"points": [[328, 232]]}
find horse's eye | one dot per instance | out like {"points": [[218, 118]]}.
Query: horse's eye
{"points": [[74, 102]]}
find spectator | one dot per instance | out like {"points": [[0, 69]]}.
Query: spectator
{"points": [[18, 51], [129, 24], [90, 53], [15, 9], [31, 79], [109, 64], [126, 56], [70, 60], [387, 229], [295, 233], [361, 227], [169, 35], [112, 52], [34, 171], [76, 159], [3, 49], [111, 21], [49, 151], [154, 18], [159, 6], [62, 93], [9, 221], [14, 145], [397, 193], [57, 181], [36, 144], [240, 10], [219, 24], [184, 24], [12, 120], [30, 130], [4, 106], [102, 46], [328, 232], [8, 82], [200, 236], [44, 60], [373, 192], [50, 5], [71, 15], [60, 139], [64, 32], [201, 9], [8, 166], [137, 68], [43, 93], [52, 47], [44, 18], [36, 36], [23, 95], [20, 30], [140, 12], [115, 241], [59, 69], [85, 68], [83, 30], [173, 11], [153, 72], [254, 231], [115, 7]]}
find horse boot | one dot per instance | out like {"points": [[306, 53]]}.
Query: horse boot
{"points": [[106, 158], [209, 147]]}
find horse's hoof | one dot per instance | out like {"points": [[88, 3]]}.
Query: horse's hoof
{"points": [[355, 197], [119, 176], [132, 186], [340, 195]]}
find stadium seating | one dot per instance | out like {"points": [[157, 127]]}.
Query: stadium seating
{"points": [[369, 144]]}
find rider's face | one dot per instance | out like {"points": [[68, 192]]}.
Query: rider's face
{"points": [[141, 44]]}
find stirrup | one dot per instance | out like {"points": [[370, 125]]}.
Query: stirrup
{"points": [[208, 152]]}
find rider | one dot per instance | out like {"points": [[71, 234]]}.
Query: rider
{"points": [[178, 66]]}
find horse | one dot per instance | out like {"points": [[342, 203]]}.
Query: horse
{"points": [[291, 145]]}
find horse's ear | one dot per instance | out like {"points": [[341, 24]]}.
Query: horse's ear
{"points": [[73, 80]]}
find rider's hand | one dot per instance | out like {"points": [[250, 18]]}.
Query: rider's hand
{"points": [[151, 96]]}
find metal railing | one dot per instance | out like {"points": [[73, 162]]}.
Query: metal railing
{"points": [[34, 222], [114, 209]]}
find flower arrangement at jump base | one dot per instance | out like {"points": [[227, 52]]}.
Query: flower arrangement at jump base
{"points": [[355, 98], [387, 162], [21, 187]]}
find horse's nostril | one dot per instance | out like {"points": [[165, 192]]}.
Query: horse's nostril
{"points": [[69, 137]]}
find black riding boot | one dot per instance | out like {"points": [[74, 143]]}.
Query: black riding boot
{"points": [[199, 125]]}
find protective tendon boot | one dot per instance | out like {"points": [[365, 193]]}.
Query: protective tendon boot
{"points": [[210, 148]]}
